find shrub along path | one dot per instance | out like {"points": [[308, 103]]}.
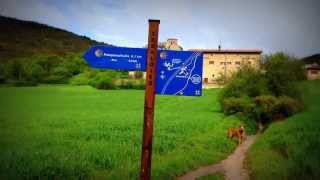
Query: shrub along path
{"points": [[232, 166]]}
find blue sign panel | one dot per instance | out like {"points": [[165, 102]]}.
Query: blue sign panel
{"points": [[179, 73], [119, 58]]}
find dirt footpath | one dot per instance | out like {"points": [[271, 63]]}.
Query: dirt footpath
{"points": [[232, 167]]}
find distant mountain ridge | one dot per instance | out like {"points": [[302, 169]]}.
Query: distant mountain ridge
{"points": [[19, 38]]}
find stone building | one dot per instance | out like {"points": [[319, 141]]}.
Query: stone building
{"points": [[312, 66], [172, 44], [313, 71], [220, 63]]}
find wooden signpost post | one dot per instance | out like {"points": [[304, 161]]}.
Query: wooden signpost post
{"points": [[176, 73], [145, 172]]}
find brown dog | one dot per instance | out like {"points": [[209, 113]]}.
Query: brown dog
{"points": [[237, 132]]}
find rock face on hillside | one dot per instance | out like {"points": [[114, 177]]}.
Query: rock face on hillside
{"points": [[24, 38]]}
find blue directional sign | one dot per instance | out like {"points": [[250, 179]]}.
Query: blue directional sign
{"points": [[109, 57], [179, 73]]}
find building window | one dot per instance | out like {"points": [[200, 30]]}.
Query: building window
{"points": [[206, 80], [249, 62], [314, 72], [229, 62], [222, 63], [237, 62], [213, 75], [211, 62], [245, 58]]}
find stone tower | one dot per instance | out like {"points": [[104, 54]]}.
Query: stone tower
{"points": [[172, 44]]}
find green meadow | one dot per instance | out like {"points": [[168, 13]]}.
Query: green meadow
{"points": [[290, 149], [78, 132]]}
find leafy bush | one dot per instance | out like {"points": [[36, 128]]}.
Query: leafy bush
{"points": [[281, 72], [2, 74], [290, 150], [233, 105], [42, 69], [53, 69], [74, 64], [19, 73], [34, 72], [265, 108], [273, 92], [115, 79], [2, 79], [140, 84], [102, 83], [80, 79], [246, 82], [269, 108], [103, 80], [62, 72], [288, 106], [138, 74], [49, 63], [14, 70], [23, 83], [54, 79], [221, 79], [125, 83], [131, 83]]}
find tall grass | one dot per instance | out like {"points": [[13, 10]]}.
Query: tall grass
{"points": [[68, 132], [290, 149]]}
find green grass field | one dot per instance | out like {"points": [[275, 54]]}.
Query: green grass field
{"points": [[69, 132], [290, 149]]}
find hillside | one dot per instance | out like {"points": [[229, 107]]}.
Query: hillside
{"points": [[24, 38]]}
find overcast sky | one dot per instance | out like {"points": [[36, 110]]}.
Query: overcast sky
{"points": [[292, 26]]}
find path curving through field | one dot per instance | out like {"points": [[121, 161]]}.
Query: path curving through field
{"points": [[231, 167]]}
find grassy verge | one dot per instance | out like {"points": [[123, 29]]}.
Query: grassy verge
{"points": [[290, 149], [68, 132]]}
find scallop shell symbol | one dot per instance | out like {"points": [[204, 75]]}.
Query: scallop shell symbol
{"points": [[98, 53], [163, 55]]}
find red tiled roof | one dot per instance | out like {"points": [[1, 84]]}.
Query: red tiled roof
{"points": [[259, 51], [313, 67]]}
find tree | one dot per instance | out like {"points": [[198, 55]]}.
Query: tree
{"points": [[282, 71], [2, 73], [15, 70], [265, 95]]}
